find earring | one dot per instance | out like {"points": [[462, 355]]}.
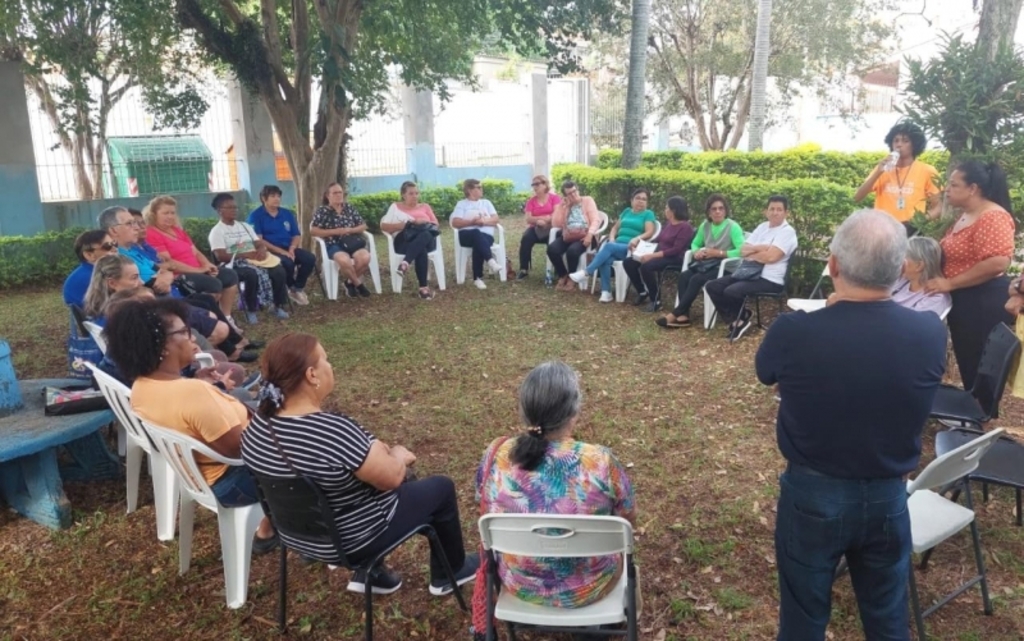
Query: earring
{"points": [[317, 385]]}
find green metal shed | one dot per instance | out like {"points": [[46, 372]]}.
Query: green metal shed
{"points": [[145, 165]]}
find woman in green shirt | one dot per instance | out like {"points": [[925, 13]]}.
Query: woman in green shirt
{"points": [[719, 237], [635, 224]]}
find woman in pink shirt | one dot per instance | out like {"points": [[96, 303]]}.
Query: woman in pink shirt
{"points": [[177, 252], [414, 224], [538, 210]]}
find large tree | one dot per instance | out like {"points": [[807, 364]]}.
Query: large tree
{"points": [[704, 55], [998, 24], [633, 126], [81, 57], [348, 49]]}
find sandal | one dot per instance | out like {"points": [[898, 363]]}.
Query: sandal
{"points": [[403, 268]]}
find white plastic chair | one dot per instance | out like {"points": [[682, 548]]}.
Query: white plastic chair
{"points": [[934, 518], [554, 535], [586, 254], [465, 254], [237, 525], [395, 259], [330, 268], [165, 486], [621, 278], [97, 335], [815, 302]]}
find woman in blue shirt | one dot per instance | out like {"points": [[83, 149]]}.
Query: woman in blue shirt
{"points": [[635, 224]]}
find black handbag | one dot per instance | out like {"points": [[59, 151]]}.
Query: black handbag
{"points": [[748, 270], [62, 401], [431, 228], [705, 266]]}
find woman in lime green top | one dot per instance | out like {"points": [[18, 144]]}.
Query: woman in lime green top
{"points": [[719, 237], [635, 224]]}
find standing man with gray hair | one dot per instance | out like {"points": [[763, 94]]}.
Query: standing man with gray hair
{"points": [[857, 380]]}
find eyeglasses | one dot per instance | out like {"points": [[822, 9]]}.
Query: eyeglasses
{"points": [[183, 330], [105, 247], [537, 184]]}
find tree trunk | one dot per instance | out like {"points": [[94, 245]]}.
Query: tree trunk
{"points": [[998, 25], [759, 83], [633, 134]]}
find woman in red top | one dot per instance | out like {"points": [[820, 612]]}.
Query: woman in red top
{"points": [[538, 210], [977, 250], [176, 251]]}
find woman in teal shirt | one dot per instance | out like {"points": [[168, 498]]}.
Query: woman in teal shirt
{"points": [[635, 224], [718, 238]]}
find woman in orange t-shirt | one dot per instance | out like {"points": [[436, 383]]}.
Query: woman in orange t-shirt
{"points": [[977, 250], [907, 187]]}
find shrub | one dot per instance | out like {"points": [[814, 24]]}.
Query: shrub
{"points": [[47, 259], [848, 169]]}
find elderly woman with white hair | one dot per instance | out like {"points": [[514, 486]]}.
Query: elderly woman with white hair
{"points": [[923, 263], [545, 470]]}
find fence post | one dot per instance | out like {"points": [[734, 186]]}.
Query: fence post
{"points": [[22, 213], [252, 136], [418, 116]]}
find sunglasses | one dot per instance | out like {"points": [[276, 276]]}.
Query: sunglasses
{"points": [[105, 247]]}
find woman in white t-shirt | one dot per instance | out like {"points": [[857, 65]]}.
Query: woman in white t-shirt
{"points": [[414, 226], [474, 219]]}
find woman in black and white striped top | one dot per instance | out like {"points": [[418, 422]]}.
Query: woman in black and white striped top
{"points": [[361, 476]]}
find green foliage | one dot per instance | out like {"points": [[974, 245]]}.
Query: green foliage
{"points": [[817, 206], [44, 259], [849, 169], [972, 104], [48, 258]]}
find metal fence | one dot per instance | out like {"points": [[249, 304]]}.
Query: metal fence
{"points": [[375, 161], [475, 154]]}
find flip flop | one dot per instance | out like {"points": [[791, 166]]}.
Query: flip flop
{"points": [[663, 322]]}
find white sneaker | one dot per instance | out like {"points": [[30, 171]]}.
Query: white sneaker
{"points": [[579, 276], [480, 284], [495, 268], [606, 297]]}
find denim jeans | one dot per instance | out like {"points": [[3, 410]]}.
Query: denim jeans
{"points": [[602, 263], [821, 519]]}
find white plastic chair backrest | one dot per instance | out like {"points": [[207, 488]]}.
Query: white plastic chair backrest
{"points": [[604, 221], [205, 359], [825, 273], [657, 231], [553, 535], [119, 398], [954, 465], [97, 335], [179, 451]]}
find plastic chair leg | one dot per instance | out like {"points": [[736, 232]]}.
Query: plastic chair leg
{"points": [[237, 526], [621, 282], [439, 269], [186, 523], [709, 312], [460, 264], [499, 255], [165, 496], [132, 470], [122, 440], [375, 273]]}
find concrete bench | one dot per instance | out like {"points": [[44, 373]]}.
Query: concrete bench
{"points": [[31, 481]]}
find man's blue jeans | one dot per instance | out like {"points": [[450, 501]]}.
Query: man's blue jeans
{"points": [[821, 519]]}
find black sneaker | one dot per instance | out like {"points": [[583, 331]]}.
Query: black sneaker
{"points": [[640, 299], [741, 325], [263, 546], [522, 274], [253, 344], [465, 574], [382, 581], [350, 290], [652, 307], [361, 289], [247, 357]]}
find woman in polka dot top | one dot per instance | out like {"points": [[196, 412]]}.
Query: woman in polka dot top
{"points": [[977, 250]]}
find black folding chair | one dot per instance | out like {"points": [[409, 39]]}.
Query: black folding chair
{"points": [[300, 511]]}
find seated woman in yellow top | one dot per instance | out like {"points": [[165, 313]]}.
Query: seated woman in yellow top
{"points": [[150, 343], [907, 187]]}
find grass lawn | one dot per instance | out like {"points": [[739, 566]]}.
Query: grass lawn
{"points": [[682, 410]]}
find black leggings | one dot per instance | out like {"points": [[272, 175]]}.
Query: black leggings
{"points": [[416, 245], [428, 501], [976, 311], [644, 276], [532, 236], [689, 286], [572, 252], [204, 301], [278, 283]]}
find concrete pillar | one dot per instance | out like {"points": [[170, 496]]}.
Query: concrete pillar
{"points": [[22, 213], [418, 117], [539, 123], [252, 135], [663, 135]]}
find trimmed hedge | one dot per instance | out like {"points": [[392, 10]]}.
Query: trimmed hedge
{"points": [[849, 169], [817, 206], [47, 259]]}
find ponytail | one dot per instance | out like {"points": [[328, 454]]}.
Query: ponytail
{"points": [[529, 449], [549, 399], [990, 179]]}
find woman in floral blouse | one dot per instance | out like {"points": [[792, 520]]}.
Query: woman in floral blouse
{"points": [[341, 227], [544, 470]]}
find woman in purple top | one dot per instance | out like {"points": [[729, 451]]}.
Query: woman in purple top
{"points": [[538, 210], [673, 241], [923, 262]]}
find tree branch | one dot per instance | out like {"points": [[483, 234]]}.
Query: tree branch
{"points": [[234, 13]]}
